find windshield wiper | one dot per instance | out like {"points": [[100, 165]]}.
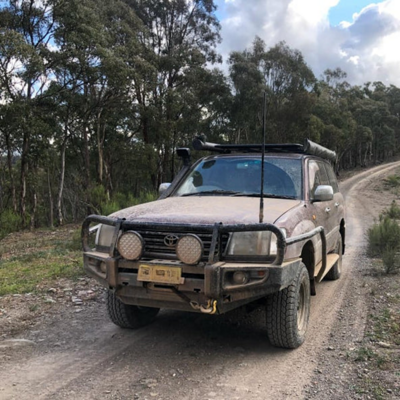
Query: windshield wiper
{"points": [[267, 195], [213, 192]]}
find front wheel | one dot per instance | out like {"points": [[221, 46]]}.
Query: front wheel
{"points": [[288, 311], [126, 315]]}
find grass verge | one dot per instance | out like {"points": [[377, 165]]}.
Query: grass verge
{"points": [[31, 260]]}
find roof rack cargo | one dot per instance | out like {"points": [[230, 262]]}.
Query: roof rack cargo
{"points": [[309, 147]]}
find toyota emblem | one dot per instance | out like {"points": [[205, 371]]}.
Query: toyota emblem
{"points": [[171, 240]]}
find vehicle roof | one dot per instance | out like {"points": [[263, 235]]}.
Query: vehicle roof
{"points": [[308, 148], [258, 155]]}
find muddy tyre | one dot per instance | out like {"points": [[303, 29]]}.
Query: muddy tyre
{"points": [[128, 316], [287, 312], [335, 272]]}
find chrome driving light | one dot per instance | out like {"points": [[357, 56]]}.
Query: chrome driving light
{"points": [[189, 249], [130, 245]]}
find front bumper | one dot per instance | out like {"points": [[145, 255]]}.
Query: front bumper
{"points": [[199, 284], [204, 284]]}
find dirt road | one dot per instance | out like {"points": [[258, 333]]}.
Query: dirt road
{"points": [[79, 354]]}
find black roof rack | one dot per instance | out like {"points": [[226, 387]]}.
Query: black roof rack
{"points": [[309, 147]]}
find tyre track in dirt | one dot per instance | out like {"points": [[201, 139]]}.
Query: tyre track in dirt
{"points": [[189, 356]]}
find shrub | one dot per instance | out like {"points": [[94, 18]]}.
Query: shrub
{"points": [[393, 212], [391, 260], [120, 201], [392, 181], [384, 241], [74, 243], [146, 197], [9, 222], [98, 197]]}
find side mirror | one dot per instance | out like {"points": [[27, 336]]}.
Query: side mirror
{"points": [[323, 193], [163, 187], [184, 153]]}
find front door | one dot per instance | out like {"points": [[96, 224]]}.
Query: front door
{"points": [[324, 212]]}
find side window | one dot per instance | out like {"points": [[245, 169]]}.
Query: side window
{"points": [[332, 178], [323, 173], [317, 175], [313, 177]]}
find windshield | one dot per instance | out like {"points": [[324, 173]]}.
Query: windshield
{"points": [[241, 176]]}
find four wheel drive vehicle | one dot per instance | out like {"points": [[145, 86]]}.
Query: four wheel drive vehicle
{"points": [[201, 246]]}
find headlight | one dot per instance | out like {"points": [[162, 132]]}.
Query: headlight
{"points": [[105, 235], [258, 243]]}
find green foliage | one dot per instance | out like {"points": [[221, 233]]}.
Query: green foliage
{"points": [[383, 235], [146, 197], [392, 181], [120, 201], [364, 354], [393, 211], [283, 74], [97, 196], [384, 241], [391, 260], [110, 207], [73, 244], [9, 222]]}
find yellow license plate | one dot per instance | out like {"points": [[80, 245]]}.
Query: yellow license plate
{"points": [[160, 274]]}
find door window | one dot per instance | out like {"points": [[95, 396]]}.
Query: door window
{"points": [[317, 176], [332, 179]]}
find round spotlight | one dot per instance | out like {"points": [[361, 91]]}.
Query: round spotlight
{"points": [[189, 249], [130, 245]]}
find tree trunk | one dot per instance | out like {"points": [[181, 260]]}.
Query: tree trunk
{"points": [[87, 165], [60, 216], [24, 172], [10, 172], [100, 142], [86, 155], [51, 205], [34, 208], [24, 159], [173, 157], [109, 184]]}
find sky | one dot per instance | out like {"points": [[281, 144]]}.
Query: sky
{"points": [[359, 36]]}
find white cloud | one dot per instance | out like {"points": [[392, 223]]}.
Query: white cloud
{"points": [[312, 11], [366, 47]]}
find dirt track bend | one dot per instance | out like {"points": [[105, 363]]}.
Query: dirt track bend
{"points": [[187, 356]]}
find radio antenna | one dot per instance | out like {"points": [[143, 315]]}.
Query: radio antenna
{"points": [[261, 217]]}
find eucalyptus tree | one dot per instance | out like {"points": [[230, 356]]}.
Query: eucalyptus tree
{"points": [[178, 45], [289, 83], [26, 33], [97, 41], [248, 87]]}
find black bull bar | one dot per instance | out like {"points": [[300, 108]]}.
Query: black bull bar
{"points": [[216, 230]]}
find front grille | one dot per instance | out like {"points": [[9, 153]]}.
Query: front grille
{"points": [[155, 246]]}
